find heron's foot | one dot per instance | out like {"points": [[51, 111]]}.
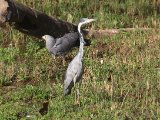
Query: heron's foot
{"points": [[78, 102], [75, 101]]}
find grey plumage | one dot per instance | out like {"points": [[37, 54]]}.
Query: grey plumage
{"points": [[61, 46], [74, 71], [75, 68]]}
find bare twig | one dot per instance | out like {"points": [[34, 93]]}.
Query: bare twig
{"points": [[110, 32]]}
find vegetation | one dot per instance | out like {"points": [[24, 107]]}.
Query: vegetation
{"points": [[121, 79]]}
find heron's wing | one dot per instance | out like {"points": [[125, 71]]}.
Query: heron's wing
{"points": [[80, 73], [68, 82], [75, 68], [70, 73]]}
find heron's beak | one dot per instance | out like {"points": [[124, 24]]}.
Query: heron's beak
{"points": [[89, 21]]}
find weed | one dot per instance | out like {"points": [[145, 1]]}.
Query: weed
{"points": [[121, 79]]}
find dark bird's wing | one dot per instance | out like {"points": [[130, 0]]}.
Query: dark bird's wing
{"points": [[65, 43]]}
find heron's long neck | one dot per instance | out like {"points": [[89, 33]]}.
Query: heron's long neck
{"points": [[81, 51]]}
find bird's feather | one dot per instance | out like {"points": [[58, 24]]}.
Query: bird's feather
{"points": [[64, 44], [74, 71]]}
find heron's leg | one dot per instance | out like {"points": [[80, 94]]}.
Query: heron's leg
{"points": [[75, 92], [78, 92], [74, 81]]}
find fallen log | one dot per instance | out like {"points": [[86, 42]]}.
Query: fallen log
{"points": [[111, 32], [37, 24], [32, 22]]}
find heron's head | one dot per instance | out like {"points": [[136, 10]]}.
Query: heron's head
{"points": [[84, 21]]}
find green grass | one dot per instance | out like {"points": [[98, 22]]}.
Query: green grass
{"points": [[121, 79]]}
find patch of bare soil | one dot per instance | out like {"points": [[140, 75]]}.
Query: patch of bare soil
{"points": [[124, 50], [152, 40], [99, 50]]}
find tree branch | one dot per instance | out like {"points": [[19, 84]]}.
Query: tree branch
{"points": [[32, 22], [37, 24], [111, 32]]}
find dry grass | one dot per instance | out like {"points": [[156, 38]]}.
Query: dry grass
{"points": [[121, 79]]}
